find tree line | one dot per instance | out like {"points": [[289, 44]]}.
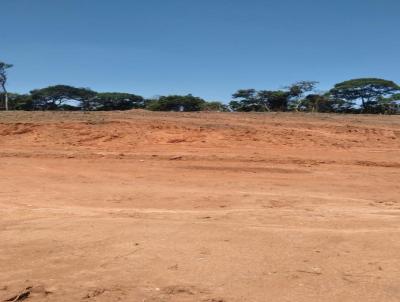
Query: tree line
{"points": [[363, 95]]}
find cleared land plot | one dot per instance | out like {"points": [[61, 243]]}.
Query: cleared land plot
{"points": [[140, 206]]}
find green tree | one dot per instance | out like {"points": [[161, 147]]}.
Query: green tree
{"points": [[18, 101], [113, 101], [248, 100], [389, 105], [297, 92], [365, 90], [275, 100], [176, 103], [317, 103], [269, 100], [3, 81], [214, 106], [52, 97]]}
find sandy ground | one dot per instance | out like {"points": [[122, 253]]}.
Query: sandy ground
{"points": [[138, 206]]}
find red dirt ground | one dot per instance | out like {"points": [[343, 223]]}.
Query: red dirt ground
{"points": [[217, 207]]}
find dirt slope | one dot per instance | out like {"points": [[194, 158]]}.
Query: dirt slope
{"points": [[139, 206]]}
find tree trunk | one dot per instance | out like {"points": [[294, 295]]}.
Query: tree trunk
{"points": [[5, 96], [6, 100], [363, 104]]}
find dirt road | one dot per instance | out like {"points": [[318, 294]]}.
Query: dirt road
{"points": [[216, 207]]}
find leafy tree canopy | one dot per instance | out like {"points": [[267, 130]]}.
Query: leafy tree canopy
{"points": [[365, 89], [113, 101], [269, 100], [3, 80], [248, 100], [396, 97], [176, 103], [3, 76], [3, 67], [50, 98], [314, 103]]}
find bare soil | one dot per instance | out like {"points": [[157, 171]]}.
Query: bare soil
{"points": [[216, 207]]}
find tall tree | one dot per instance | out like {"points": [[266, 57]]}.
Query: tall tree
{"points": [[275, 100], [298, 89], [3, 81], [297, 92], [113, 101], [52, 97], [248, 100], [366, 90]]}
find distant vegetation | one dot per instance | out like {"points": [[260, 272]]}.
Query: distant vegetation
{"points": [[364, 95]]}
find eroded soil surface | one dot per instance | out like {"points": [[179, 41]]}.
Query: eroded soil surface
{"points": [[216, 207]]}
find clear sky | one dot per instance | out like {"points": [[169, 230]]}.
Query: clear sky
{"points": [[209, 48]]}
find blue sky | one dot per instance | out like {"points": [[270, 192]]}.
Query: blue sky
{"points": [[209, 48]]}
